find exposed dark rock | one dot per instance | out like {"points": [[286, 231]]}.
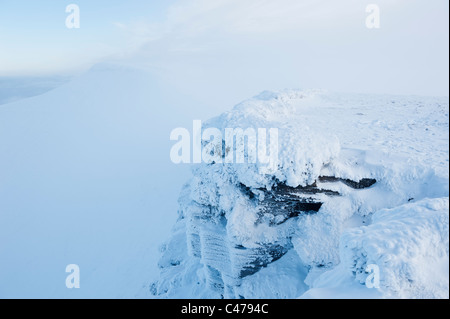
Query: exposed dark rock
{"points": [[225, 264], [363, 183], [261, 257], [284, 202]]}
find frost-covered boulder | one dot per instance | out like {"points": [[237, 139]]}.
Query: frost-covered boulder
{"points": [[410, 246], [403, 253]]}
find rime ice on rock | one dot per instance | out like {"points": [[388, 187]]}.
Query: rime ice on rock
{"points": [[235, 221]]}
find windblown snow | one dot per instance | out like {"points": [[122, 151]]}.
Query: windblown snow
{"points": [[372, 175]]}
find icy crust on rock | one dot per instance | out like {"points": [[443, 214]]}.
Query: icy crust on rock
{"points": [[302, 150], [318, 236], [410, 246], [232, 248]]}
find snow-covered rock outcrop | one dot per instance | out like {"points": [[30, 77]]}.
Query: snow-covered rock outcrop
{"points": [[320, 212]]}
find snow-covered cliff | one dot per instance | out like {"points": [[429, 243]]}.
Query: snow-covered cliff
{"points": [[359, 180]]}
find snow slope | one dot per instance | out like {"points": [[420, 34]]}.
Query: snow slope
{"points": [[399, 224], [86, 178]]}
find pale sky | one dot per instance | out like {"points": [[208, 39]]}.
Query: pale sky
{"points": [[256, 44]]}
